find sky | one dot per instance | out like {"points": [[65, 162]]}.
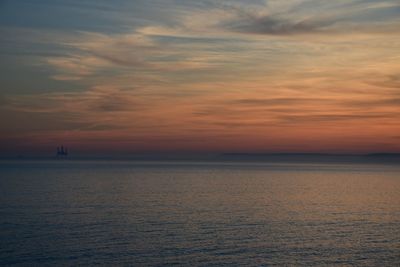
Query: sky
{"points": [[166, 76]]}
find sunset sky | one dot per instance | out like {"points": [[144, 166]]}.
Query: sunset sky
{"points": [[137, 76]]}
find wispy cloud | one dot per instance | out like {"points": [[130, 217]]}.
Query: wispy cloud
{"points": [[314, 17], [174, 71]]}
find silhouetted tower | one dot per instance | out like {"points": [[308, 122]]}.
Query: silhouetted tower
{"points": [[61, 151]]}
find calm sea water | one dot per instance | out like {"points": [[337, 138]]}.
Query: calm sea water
{"points": [[71, 213]]}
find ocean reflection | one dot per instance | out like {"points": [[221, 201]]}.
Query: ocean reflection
{"points": [[132, 213]]}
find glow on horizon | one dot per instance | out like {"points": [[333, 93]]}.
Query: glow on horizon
{"points": [[200, 76]]}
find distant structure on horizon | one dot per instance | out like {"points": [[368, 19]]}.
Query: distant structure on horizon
{"points": [[62, 152]]}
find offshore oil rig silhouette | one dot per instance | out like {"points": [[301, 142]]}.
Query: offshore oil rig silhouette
{"points": [[62, 152]]}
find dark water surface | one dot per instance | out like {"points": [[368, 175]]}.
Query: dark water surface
{"points": [[59, 213]]}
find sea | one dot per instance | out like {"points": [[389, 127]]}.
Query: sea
{"points": [[198, 213]]}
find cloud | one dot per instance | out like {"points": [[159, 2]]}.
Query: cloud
{"points": [[338, 102], [388, 81], [313, 17], [273, 25], [330, 118], [209, 69], [286, 111], [260, 102], [96, 100], [115, 102], [139, 54]]}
